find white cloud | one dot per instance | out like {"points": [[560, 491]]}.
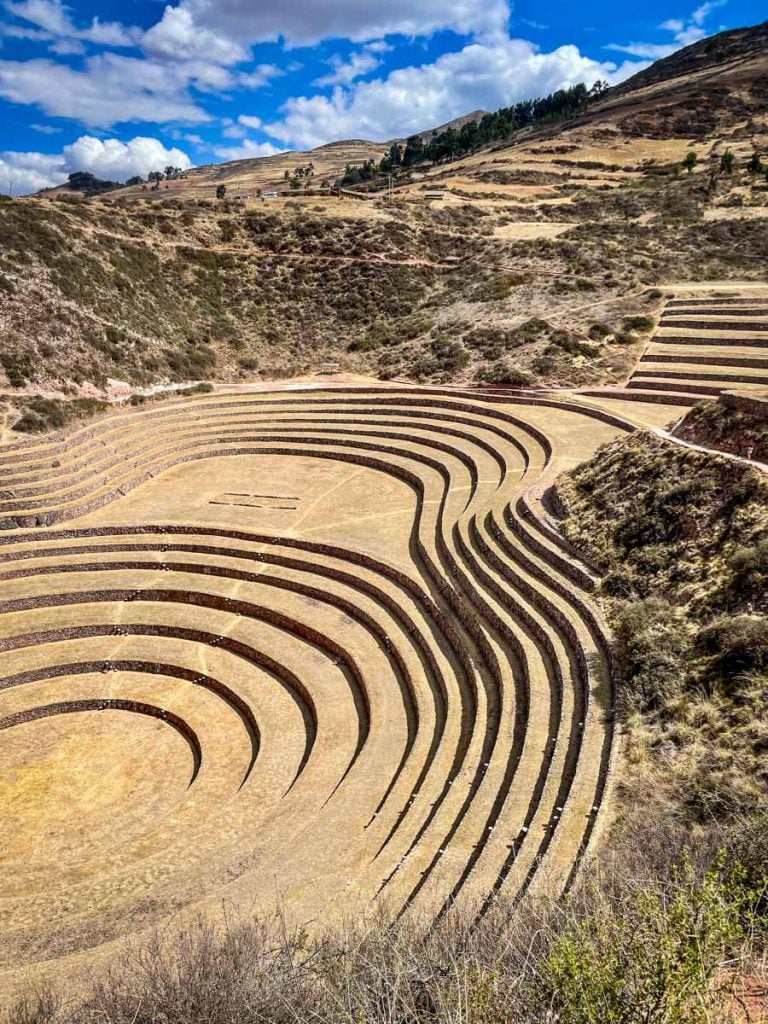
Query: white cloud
{"points": [[179, 136], [21, 173], [52, 17], [250, 122], [110, 158], [67, 48], [110, 89], [685, 31], [646, 51], [106, 158], [307, 22], [247, 150], [177, 37], [481, 75], [701, 14], [260, 76], [34, 35], [234, 131], [357, 65]]}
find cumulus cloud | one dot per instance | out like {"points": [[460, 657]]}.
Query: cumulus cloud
{"points": [[481, 75], [106, 158], [307, 22], [110, 158], [357, 65], [110, 89], [177, 37], [21, 173], [248, 150]]}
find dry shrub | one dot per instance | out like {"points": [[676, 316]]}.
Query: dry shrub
{"points": [[629, 945]]}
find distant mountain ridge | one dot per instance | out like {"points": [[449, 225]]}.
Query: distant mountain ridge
{"points": [[456, 123]]}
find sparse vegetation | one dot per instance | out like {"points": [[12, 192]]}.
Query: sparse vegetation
{"points": [[681, 537], [503, 371], [630, 951], [690, 160], [727, 428], [40, 415]]}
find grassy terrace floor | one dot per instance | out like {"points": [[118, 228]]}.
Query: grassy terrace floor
{"points": [[323, 647]]}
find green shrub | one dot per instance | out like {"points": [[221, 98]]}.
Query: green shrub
{"points": [[639, 323], [569, 343], [624, 338], [491, 342], [661, 961], [503, 371], [654, 646], [495, 289], [746, 842], [43, 414], [19, 367], [737, 646], [598, 331], [749, 574]]}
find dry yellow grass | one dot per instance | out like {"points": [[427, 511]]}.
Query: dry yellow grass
{"points": [[321, 646], [521, 230]]}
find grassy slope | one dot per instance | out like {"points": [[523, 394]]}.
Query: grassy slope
{"points": [[93, 291], [714, 425], [683, 539], [150, 291]]}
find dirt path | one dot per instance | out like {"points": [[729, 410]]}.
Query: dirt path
{"points": [[669, 436]]}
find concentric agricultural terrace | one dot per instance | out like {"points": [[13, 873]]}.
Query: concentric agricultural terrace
{"points": [[319, 648]]}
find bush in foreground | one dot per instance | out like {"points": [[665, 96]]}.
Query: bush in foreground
{"points": [[618, 951]]}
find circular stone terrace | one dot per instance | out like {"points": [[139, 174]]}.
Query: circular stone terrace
{"points": [[320, 648]]}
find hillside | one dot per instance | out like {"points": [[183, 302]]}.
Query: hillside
{"points": [[680, 538], [739, 45], [246, 177], [540, 264]]}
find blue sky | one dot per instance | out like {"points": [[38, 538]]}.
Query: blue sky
{"points": [[124, 88]]}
